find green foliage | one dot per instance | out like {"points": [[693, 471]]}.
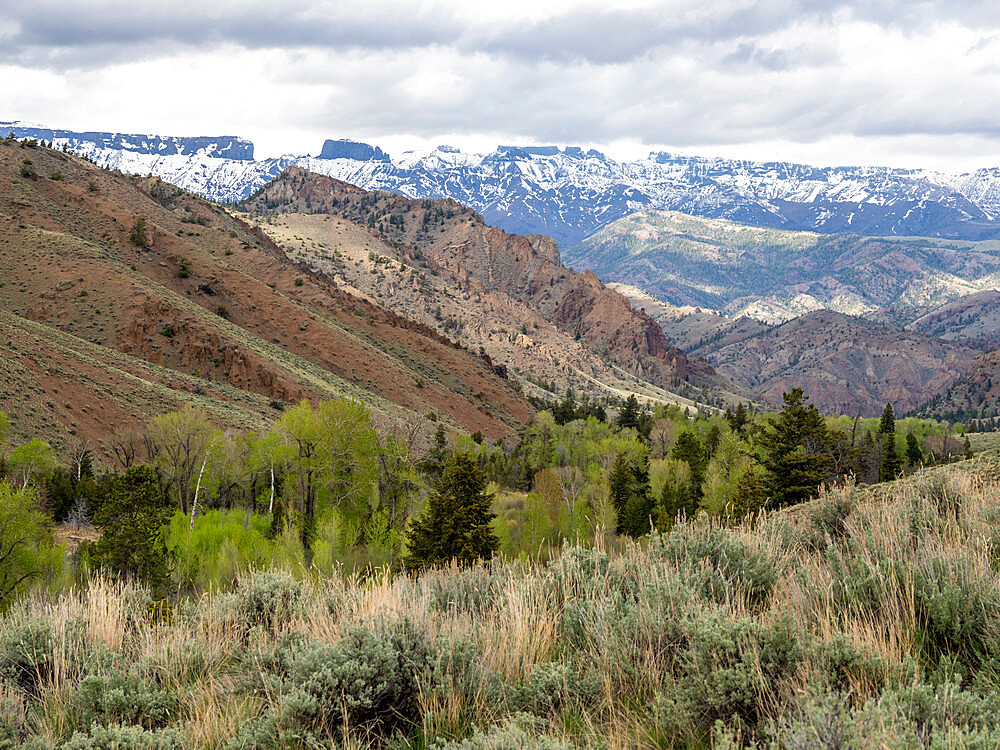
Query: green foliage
{"points": [[795, 447], [28, 170], [367, 681], [32, 460], [139, 236], [219, 548], [128, 700], [457, 522], [132, 521], [28, 553]]}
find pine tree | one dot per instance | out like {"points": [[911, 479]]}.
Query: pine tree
{"points": [[914, 456], [968, 447], [131, 521], [457, 522], [629, 415], [796, 449], [892, 464], [690, 450], [887, 425]]}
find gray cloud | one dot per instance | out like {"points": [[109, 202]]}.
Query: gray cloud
{"points": [[683, 73]]}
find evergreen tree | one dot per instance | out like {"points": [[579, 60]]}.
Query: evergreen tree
{"points": [[131, 520], [887, 425], [892, 464], [628, 487], [914, 455], [457, 522], [968, 447], [630, 414], [796, 451], [737, 419], [689, 449]]}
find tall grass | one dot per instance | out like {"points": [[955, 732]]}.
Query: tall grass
{"points": [[867, 618]]}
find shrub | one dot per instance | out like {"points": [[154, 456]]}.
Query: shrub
{"points": [[523, 732], [552, 686], [124, 700], [367, 681], [28, 170], [268, 600], [828, 519], [57, 176], [125, 738], [716, 564], [959, 611], [735, 669], [27, 656], [139, 235], [183, 268]]}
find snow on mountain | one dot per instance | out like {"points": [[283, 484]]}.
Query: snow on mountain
{"points": [[569, 193]]}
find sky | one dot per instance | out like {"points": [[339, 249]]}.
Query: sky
{"points": [[888, 82]]}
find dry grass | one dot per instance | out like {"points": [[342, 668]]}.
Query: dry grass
{"points": [[631, 670]]}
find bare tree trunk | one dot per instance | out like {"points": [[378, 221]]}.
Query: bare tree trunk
{"points": [[270, 503], [197, 489]]}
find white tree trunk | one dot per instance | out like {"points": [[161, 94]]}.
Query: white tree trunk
{"points": [[197, 489], [270, 504]]}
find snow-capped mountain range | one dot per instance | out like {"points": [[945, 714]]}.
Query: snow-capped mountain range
{"points": [[570, 193]]}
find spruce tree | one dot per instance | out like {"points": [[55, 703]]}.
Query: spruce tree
{"points": [[457, 522], [887, 425], [892, 464], [914, 456], [131, 520], [796, 451]]}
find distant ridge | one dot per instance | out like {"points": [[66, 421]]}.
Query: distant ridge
{"points": [[570, 193]]}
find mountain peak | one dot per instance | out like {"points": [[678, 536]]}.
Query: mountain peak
{"points": [[355, 150]]}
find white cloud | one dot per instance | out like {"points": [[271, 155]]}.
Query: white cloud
{"points": [[890, 82]]}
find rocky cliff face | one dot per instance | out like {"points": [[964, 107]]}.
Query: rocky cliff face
{"points": [[455, 239]]}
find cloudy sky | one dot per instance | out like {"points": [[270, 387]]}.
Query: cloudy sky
{"points": [[896, 82]]}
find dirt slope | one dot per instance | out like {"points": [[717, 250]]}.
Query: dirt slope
{"points": [[206, 296]]}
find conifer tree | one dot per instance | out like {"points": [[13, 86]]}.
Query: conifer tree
{"points": [[914, 455], [796, 448], [131, 521], [892, 464], [630, 415], [690, 450], [887, 425], [457, 522]]}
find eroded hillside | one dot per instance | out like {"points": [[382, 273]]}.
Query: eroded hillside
{"points": [[189, 302], [438, 261]]}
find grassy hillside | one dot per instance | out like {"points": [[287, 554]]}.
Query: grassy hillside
{"points": [[191, 303], [775, 275], [832, 622]]}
